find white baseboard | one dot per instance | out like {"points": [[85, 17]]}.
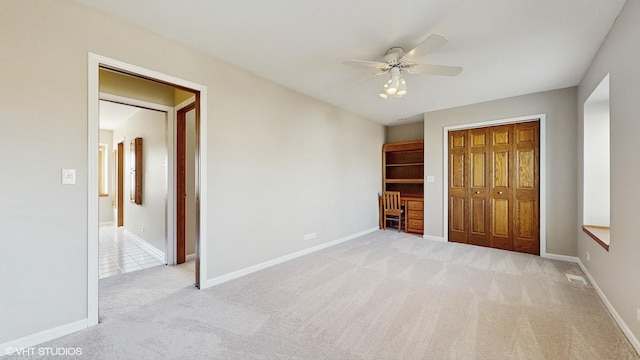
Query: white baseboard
{"points": [[105, 223], [38, 338], [572, 259], [433, 238], [190, 257], [154, 250], [251, 269], [625, 329]]}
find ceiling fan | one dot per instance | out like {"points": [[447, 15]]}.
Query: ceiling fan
{"points": [[396, 60]]}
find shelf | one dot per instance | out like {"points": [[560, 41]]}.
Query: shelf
{"points": [[404, 181], [407, 164], [598, 233], [406, 146]]}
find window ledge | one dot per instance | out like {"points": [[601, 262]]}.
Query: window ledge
{"points": [[598, 233]]}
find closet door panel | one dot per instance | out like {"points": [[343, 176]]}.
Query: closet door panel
{"points": [[458, 187], [479, 186]]}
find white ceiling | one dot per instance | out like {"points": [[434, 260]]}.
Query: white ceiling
{"points": [[506, 47], [113, 114]]}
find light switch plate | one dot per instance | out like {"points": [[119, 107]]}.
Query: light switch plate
{"points": [[431, 179], [68, 176]]}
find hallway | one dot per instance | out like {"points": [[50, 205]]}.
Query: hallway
{"points": [[120, 253]]}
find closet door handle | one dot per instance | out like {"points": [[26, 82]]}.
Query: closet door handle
{"points": [[499, 192], [477, 192]]}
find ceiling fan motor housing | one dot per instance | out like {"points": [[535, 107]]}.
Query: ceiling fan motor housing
{"points": [[393, 55]]}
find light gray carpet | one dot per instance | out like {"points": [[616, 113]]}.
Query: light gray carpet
{"points": [[386, 295]]}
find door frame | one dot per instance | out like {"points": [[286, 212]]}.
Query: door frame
{"points": [[94, 63], [119, 185], [179, 243], [543, 170]]}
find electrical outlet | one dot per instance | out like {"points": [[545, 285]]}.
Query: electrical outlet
{"points": [[588, 256], [310, 236], [142, 228], [638, 313]]}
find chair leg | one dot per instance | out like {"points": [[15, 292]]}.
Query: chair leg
{"points": [[399, 222], [405, 223]]}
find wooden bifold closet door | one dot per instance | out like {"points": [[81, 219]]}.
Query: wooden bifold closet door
{"points": [[494, 187]]}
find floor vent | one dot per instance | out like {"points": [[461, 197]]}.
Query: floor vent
{"points": [[576, 279]]}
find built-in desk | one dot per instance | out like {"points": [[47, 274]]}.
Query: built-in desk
{"points": [[403, 171], [413, 213]]}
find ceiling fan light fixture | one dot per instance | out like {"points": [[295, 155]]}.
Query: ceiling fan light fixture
{"points": [[396, 59], [383, 92], [395, 87], [402, 88], [392, 86]]}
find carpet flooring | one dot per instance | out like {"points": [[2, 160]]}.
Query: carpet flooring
{"points": [[385, 295]]}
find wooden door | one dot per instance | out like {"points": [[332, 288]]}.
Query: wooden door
{"points": [[500, 194], [526, 206], [494, 187], [458, 187], [120, 185], [479, 186], [181, 183]]}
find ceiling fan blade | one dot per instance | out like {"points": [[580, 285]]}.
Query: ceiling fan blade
{"points": [[368, 78], [366, 63], [434, 69], [433, 42]]}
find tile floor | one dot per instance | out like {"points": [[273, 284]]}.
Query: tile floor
{"points": [[118, 253]]}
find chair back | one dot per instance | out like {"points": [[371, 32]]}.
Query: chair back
{"points": [[391, 201]]}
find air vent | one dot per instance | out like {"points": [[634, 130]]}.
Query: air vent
{"points": [[576, 279]]}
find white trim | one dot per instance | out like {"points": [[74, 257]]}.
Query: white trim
{"points": [[159, 254], [106, 223], [623, 326], [190, 257], [41, 337], [571, 259], [170, 199], [434, 238], [201, 189], [93, 124], [261, 266], [135, 102], [543, 170], [94, 63]]}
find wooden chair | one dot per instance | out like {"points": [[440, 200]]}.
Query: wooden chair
{"points": [[391, 208]]}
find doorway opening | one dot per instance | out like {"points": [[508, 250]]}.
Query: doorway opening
{"points": [[133, 234], [199, 94]]}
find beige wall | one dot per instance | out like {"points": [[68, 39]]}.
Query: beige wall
{"points": [[105, 203], [406, 132], [147, 220], [616, 271], [560, 110], [137, 88], [280, 164], [181, 96], [141, 89]]}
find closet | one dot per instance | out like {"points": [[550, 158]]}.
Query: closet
{"points": [[494, 186]]}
